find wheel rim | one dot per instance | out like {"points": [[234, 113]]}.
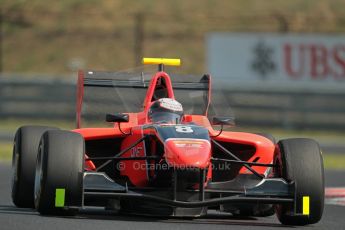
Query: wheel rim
{"points": [[38, 176]]}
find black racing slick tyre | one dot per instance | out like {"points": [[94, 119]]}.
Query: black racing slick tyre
{"points": [[59, 173], [300, 161], [25, 148]]}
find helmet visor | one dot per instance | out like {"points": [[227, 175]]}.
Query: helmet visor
{"points": [[166, 117]]}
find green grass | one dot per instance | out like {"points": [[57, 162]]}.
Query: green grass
{"points": [[334, 161], [11, 125], [329, 136], [331, 161], [321, 136], [5, 151]]}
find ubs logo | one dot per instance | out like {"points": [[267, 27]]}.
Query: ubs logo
{"points": [[263, 63]]}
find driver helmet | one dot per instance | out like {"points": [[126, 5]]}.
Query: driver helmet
{"points": [[166, 110]]}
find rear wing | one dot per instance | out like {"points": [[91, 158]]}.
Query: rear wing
{"points": [[99, 93]]}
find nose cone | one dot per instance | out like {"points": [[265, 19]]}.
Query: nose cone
{"points": [[187, 152]]}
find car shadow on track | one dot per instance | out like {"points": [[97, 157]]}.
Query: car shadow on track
{"points": [[217, 219], [9, 209], [90, 215]]}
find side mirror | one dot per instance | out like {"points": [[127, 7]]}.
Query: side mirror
{"points": [[119, 117], [223, 121]]}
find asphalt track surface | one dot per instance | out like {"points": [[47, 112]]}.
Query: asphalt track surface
{"points": [[15, 218]]}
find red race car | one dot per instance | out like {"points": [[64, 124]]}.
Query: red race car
{"points": [[163, 157]]}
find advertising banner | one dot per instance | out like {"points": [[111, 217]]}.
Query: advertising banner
{"points": [[296, 60]]}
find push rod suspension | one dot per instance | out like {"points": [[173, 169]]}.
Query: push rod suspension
{"points": [[244, 162], [119, 154], [238, 159]]}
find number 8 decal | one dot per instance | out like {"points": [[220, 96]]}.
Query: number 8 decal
{"points": [[183, 129]]}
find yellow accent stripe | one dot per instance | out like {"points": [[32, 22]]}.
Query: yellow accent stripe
{"points": [[164, 61], [59, 197], [306, 207]]}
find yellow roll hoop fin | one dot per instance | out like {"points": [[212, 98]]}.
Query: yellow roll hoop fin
{"points": [[164, 61]]}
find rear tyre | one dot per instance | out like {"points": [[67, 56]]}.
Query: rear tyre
{"points": [[300, 161], [25, 148], [59, 173]]}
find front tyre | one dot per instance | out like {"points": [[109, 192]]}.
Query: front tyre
{"points": [[25, 148], [59, 173], [300, 161]]}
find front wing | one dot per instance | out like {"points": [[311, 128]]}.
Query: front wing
{"points": [[98, 186]]}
